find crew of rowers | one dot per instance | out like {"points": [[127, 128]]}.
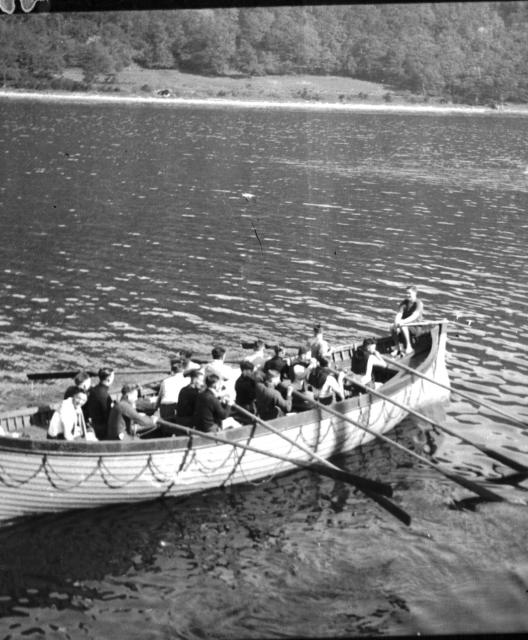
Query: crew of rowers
{"points": [[207, 397], [217, 396]]}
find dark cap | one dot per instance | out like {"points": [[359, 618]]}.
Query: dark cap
{"points": [[277, 348]]}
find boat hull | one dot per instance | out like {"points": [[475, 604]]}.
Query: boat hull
{"points": [[40, 476]]}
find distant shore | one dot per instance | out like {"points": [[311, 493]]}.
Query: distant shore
{"points": [[170, 87], [167, 101]]}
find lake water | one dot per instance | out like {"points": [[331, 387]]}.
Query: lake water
{"points": [[126, 236]]}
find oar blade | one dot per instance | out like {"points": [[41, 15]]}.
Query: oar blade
{"points": [[481, 491], [364, 484], [389, 506], [505, 460], [52, 375]]}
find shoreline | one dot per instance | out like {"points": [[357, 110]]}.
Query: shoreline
{"points": [[314, 105]]}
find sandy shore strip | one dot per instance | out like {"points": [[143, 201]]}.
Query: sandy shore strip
{"points": [[101, 98]]}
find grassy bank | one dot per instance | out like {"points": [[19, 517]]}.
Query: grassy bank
{"points": [[135, 84], [150, 82]]}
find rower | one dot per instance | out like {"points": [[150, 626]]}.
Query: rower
{"points": [[188, 396], [211, 408], [124, 419], [269, 400], [278, 362], [97, 408], [170, 390], [327, 387], [245, 391]]}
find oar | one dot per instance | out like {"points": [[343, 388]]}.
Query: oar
{"points": [[359, 482], [251, 344], [496, 455], [57, 375], [462, 394], [370, 485], [500, 457], [467, 484], [425, 323]]}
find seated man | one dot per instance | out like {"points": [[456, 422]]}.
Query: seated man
{"points": [[245, 391], [409, 312], [301, 399], [97, 408], [318, 345], [82, 380], [372, 358], [188, 396], [269, 400], [124, 419], [278, 362], [210, 410], [303, 359], [67, 423], [218, 367], [187, 364], [258, 357], [327, 387], [170, 390]]}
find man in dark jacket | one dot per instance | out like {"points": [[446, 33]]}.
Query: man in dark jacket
{"points": [[245, 391], [209, 410], [188, 396], [270, 402], [97, 408], [124, 419]]}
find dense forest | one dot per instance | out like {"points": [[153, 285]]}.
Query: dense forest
{"points": [[464, 52]]}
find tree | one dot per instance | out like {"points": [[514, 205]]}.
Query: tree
{"points": [[95, 60]]}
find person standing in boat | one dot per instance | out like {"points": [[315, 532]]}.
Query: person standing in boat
{"points": [[269, 400], [170, 390], [410, 311], [97, 408], [67, 423], [124, 419], [318, 345], [211, 408], [188, 397]]}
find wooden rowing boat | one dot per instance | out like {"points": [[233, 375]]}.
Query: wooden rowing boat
{"points": [[39, 475]]}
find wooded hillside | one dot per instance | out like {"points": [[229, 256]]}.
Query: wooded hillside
{"points": [[465, 52]]}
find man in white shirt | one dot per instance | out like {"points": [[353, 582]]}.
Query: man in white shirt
{"points": [[170, 390]]}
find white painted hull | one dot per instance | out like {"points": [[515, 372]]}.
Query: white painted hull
{"points": [[49, 476]]}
